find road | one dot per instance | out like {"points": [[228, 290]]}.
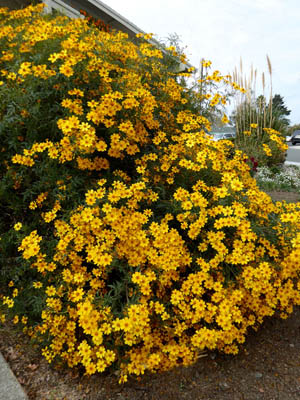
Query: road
{"points": [[293, 154]]}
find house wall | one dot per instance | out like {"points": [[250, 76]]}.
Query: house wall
{"points": [[66, 8]]}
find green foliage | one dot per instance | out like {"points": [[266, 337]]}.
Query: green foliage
{"points": [[129, 238]]}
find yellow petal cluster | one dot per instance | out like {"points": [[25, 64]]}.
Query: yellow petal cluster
{"points": [[153, 242]]}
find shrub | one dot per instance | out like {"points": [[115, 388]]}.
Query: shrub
{"points": [[129, 238]]}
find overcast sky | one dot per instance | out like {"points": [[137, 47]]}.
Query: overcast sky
{"points": [[223, 31]]}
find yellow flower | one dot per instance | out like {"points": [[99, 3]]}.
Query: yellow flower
{"points": [[17, 226], [206, 64], [37, 285], [236, 185], [225, 119], [50, 291], [267, 150], [66, 70]]}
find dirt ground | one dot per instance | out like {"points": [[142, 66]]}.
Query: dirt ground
{"points": [[290, 197], [267, 368]]}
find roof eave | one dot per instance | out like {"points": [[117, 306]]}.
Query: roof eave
{"points": [[127, 26]]}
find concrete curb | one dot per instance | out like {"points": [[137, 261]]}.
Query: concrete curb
{"points": [[10, 389], [292, 163]]}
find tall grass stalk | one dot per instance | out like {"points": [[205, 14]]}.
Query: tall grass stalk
{"points": [[271, 94], [254, 114]]}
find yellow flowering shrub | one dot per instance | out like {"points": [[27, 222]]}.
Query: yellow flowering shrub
{"points": [[130, 239]]}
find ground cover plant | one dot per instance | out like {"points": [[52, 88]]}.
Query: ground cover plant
{"points": [[285, 178], [130, 240]]}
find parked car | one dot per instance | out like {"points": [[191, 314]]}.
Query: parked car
{"points": [[223, 136], [295, 137]]}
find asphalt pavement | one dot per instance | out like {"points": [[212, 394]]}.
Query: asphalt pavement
{"points": [[293, 155]]}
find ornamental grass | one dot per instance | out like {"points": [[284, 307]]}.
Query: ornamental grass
{"points": [[130, 240], [256, 119]]}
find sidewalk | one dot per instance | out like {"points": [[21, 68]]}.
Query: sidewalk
{"points": [[10, 389]]}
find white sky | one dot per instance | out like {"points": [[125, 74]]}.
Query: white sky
{"points": [[223, 31]]}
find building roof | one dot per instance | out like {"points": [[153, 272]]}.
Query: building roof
{"points": [[96, 9], [100, 10]]}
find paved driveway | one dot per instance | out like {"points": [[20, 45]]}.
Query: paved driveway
{"points": [[293, 154]]}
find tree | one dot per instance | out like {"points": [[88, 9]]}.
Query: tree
{"points": [[280, 111], [278, 105], [276, 113]]}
